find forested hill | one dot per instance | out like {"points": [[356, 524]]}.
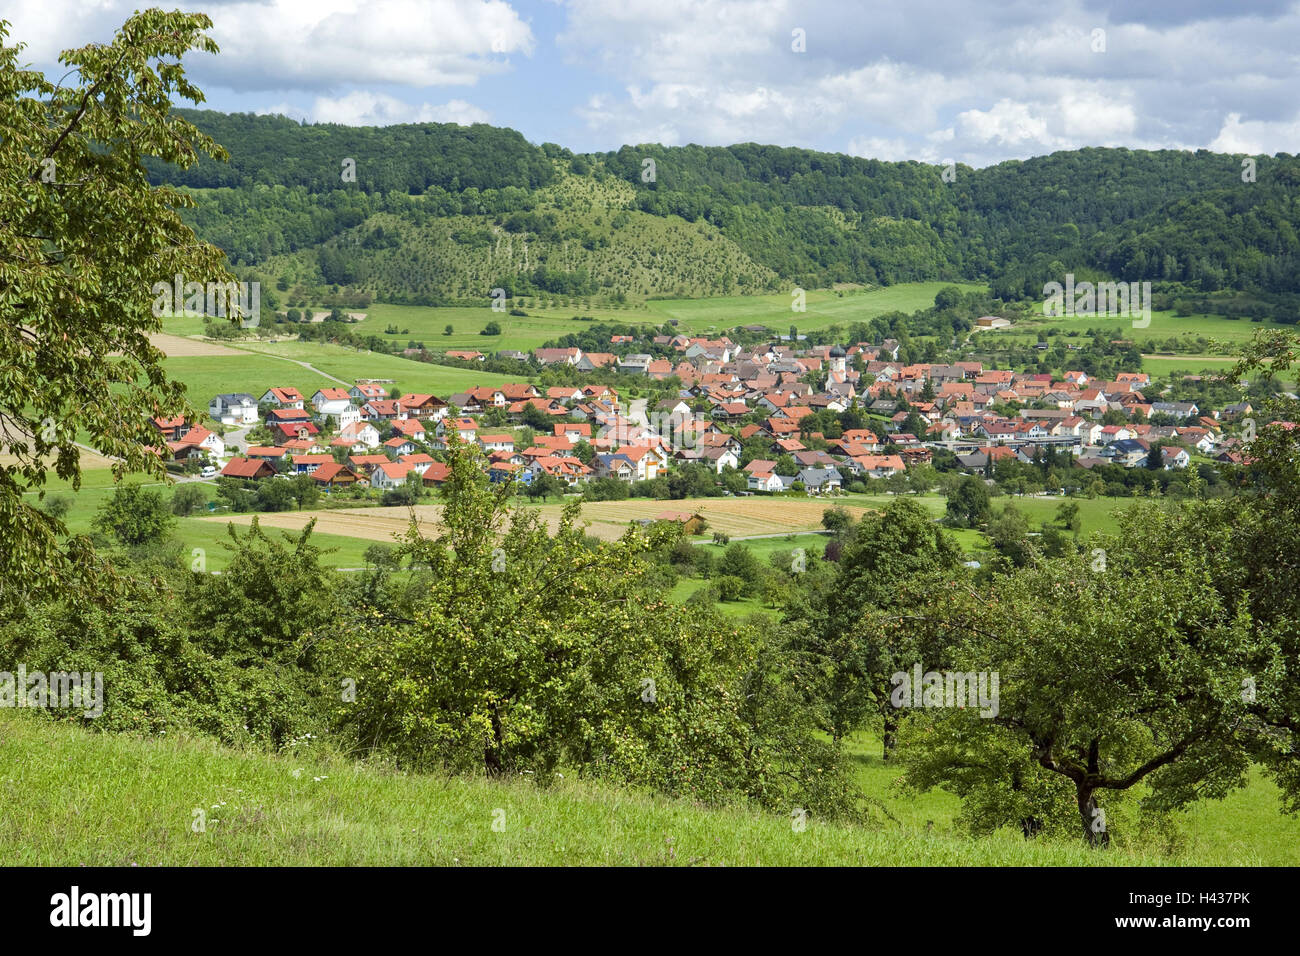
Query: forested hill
{"points": [[441, 212]]}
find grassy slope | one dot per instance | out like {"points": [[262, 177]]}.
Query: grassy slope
{"points": [[350, 365], [122, 801], [117, 801], [1164, 325], [824, 307]]}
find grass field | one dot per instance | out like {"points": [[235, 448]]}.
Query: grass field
{"points": [[207, 534], [824, 307], [1163, 366], [122, 801], [208, 375], [350, 365], [711, 315], [1164, 326]]}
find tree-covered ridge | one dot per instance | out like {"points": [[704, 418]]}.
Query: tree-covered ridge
{"points": [[278, 151], [784, 216]]}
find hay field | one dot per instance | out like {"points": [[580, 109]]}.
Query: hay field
{"points": [[175, 346], [607, 520]]}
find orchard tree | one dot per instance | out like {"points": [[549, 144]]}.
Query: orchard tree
{"points": [[968, 504], [1151, 672], [839, 634], [133, 515], [83, 239]]}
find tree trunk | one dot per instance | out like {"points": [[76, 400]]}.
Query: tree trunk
{"points": [[1031, 827], [889, 735], [492, 753], [1094, 819]]}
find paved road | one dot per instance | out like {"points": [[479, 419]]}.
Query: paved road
{"points": [[236, 439]]}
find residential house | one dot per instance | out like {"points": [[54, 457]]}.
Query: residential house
{"points": [[286, 397], [335, 475], [389, 475], [247, 468], [818, 481], [331, 401], [236, 408]]}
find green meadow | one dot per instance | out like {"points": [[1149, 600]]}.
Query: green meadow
{"points": [[824, 307], [210, 537], [547, 322], [119, 800], [1164, 326], [208, 375], [350, 365]]}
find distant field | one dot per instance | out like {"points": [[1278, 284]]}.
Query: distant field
{"points": [[350, 365], [517, 332], [824, 308], [176, 346], [736, 517], [205, 376], [1166, 365], [208, 533], [1164, 325], [606, 519], [255, 367]]}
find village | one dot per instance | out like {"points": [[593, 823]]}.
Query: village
{"points": [[731, 401]]}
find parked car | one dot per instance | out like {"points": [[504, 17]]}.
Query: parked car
{"points": [[209, 471]]}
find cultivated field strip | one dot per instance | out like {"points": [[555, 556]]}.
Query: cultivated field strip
{"points": [[737, 517]]}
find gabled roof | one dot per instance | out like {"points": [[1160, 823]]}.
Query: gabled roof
{"points": [[246, 468]]}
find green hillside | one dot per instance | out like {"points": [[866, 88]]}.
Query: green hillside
{"points": [[441, 215], [119, 801]]}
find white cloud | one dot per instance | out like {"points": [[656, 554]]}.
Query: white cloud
{"points": [[363, 108], [312, 44], [975, 80], [1257, 136], [980, 80]]}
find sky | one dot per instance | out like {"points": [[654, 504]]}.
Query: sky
{"points": [[940, 81]]}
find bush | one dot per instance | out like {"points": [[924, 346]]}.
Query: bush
{"points": [[187, 499], [708, 594], [731, 588]]}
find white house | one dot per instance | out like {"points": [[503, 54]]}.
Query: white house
{"points": [[364, 393], [363, 434], [390, 474], [238, 408], [764, 481], [210, 442], [331, 401], [350, 415]]}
